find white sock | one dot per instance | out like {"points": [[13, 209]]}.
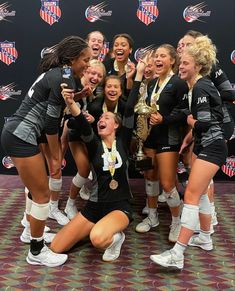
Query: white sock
{"points": [[204, 235], [54, 204], [71, 201], [175, 219], [152, 212], [179, 248], [36, 238]]}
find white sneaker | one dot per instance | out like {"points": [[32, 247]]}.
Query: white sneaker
{"points": [[113, 252], [25, 236], [174, 232], [161, 198], [47, 258], [84, 193], [57, 215], [169, 259], [24, 222], [196, 241], [147, 224], [71, 210]]}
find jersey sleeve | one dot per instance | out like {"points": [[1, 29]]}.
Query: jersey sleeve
{"points": [[222, 83]]}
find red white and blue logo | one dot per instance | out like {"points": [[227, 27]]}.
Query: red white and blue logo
{"points": [[50, 11], [193, 13], [229, 167], [233, 57], [95, 12], [4, 12], [147, 11], [8, 91], [8, 52], [104, 51], [7, 162]]}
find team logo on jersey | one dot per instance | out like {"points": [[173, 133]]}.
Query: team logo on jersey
{"points": [[193, 13], [50, 11], [8, 91], [229, 167], [147, 11], [8, 52], [233, 57], [103, 52], [4, 12], [95, 12], [7, 162]]}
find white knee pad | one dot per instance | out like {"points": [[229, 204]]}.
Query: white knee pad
{"points": [[152, 188], [204, 205], [172, 197], [55, 184], [28, 205], [39, 211], [189, 217], [79, 181]]}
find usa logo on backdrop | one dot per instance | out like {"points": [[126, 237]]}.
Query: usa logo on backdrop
{"points": [[4, 12], [8, 91], [193, 13], [147, 11], [95, 12], [50, 11], [233, 57], [229, 167], [8, 52], [104, 52]]}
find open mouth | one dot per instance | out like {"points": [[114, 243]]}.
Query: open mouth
{"points": [[159, 66], [102, 126]]}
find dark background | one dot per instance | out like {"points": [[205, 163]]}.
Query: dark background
{"points": [[30, 34]]}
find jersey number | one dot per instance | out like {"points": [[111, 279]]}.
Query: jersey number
{"points": [[31, 90]]}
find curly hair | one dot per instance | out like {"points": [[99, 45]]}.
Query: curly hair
{"points": [[204, 53]]}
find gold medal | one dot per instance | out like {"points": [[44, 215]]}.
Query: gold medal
{"points": [[113, 184]]}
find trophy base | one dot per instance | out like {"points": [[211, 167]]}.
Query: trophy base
{"points": [[143, 164]]}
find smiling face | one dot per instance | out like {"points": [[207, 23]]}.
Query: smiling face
{"points": [[96, 43], [80, 64], [107, 124], [188, 69], [163, 61], [150, 70], [112, 90], [94, 76], [121, 49]]}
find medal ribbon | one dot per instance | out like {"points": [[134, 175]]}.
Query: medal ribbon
{"points": [[190, 92], [105, 109], [155, 95], [111, 157]]}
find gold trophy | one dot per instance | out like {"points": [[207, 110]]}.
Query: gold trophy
{"points": [[143, 111]]}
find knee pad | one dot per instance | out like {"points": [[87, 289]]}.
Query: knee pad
{"points": [[172, 197], [55, 184], [79, 181], [152, 188], [39, 211], [189, 217], [204, 205], [28, 205]]}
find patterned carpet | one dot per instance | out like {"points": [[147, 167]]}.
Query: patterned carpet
{"points": [[85, 270]]}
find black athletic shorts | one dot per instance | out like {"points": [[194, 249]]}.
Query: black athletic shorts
{"points": [[215, 153], [94, 211], [16, 147]]}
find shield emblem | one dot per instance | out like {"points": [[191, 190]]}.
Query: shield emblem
{"points": [[50, 11], [147, 11], [229, 167], [8, 52]]}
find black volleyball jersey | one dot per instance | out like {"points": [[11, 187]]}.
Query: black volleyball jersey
{"points": [[41, 110], [172, 102], [101, 191], [206, 108]]}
